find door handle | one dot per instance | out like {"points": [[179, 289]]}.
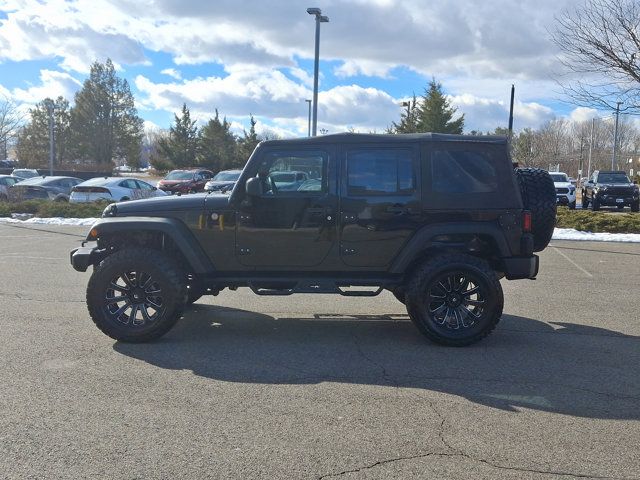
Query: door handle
{"points": [[397, 209]]}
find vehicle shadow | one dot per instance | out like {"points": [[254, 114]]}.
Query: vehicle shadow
{"points": [[555, 367]]}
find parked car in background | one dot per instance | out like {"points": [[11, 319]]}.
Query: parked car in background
{"points": [[288, 180], [8, 164], [44, 188], [115, 189], [185, 181], [6, 181], [223, 181], [24, 173], [610, 188], [565, 190]]}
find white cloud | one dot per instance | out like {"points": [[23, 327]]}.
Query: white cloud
{"points": [[52, 84], [582, 114], [172, 72]]}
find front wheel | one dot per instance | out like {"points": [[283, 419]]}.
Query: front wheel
{"points": [[455, 299], [136, 295]]}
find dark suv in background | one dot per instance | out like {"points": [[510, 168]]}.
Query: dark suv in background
{"points": [[611, 188], [435, 219]]}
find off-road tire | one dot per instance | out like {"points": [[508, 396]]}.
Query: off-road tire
{"points": [[421, 301], [635, 206], [166, 277], [539, 197]]}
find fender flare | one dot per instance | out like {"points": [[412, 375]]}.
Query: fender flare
{"points": [[176, 230], [423, 239]]}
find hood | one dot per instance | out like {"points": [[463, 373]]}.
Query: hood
{"points": [[564, 185], [623, 185], [157, 205], [168, 183]]}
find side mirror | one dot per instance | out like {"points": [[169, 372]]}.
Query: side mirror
{"points": [[253, 187]]}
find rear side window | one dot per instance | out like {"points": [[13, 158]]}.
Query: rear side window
{"points": [[463, 171], [380, 171]]}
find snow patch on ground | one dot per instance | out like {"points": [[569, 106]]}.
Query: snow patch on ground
{"points": [[51, 221], [558, 234], [572, 234]]}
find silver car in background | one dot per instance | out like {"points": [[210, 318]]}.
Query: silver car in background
{"points": [[113, 189]]}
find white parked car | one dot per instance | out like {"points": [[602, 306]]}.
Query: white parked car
{"points": [[565, 190], [115, 189]]}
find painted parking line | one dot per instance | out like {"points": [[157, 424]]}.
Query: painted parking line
{"points": [[566, 257]]}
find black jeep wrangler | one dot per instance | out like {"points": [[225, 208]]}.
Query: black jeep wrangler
{"points": [[435, 219]]}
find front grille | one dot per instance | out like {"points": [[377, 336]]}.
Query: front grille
{"points": [[622, 191], [562, 190]]}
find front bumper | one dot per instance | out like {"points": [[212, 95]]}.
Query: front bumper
{"points": [[613, 199], [521, 267], [83, 256]]}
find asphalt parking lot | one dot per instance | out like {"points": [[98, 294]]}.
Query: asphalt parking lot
{"points": [[318, 387]]}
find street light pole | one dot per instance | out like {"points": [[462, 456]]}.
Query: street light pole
{"points": [[309, 122], [615, 137], [52, 145], [316, 65]]}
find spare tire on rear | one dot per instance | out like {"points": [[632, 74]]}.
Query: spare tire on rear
{"points": [[539, 197]]}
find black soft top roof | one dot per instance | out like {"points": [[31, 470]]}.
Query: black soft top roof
{"points": [[389, 138]]}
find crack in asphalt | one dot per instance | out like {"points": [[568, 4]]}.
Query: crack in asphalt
{"points": [[473, 459]]}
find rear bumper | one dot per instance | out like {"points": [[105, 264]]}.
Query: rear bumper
{"points": [[521, 267]]}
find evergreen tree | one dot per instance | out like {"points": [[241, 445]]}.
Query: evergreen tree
{"points": [[248, 143], [408, 119], [180, 147], [218, 146], [435, 113], [104, 121], [33, 139]]}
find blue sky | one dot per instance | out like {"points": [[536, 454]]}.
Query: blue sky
{"points": [[257, 58]]}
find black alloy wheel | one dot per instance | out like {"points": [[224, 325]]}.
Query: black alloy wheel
{"points": [[455, 299], [136, 295]]}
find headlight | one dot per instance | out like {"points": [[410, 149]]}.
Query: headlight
{"points": [[110, 211]]}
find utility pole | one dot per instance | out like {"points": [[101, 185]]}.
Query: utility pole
{"points": [[513, 92], [615, 137], [593, 122], [309, 122], [316, 65], [52, 144]]}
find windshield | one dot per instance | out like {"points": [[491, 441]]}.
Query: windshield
{"points": [[559, 177], [283, 177], [25, 173], [227, 176], [179, 175], [613, 178]]}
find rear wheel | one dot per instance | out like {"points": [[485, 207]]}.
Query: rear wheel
{"points": [[455, 299], [136, 295]]}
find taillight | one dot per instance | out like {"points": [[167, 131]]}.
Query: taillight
{"points": [[526, 221]]}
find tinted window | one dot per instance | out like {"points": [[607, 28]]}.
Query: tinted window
{"points": [[129, 184], [463, 171], [287, 172], [380, 172], [613, 178], [143, 185]]}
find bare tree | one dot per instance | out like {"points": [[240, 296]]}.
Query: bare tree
{"points": [[10, 121], [600, 42]]}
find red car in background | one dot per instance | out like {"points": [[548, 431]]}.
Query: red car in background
{"points": [[185, 181]]}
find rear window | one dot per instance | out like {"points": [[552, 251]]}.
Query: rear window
{"points": [[463, 171]]}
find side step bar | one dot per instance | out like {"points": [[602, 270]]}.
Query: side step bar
{"points": [[313, 286]]}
